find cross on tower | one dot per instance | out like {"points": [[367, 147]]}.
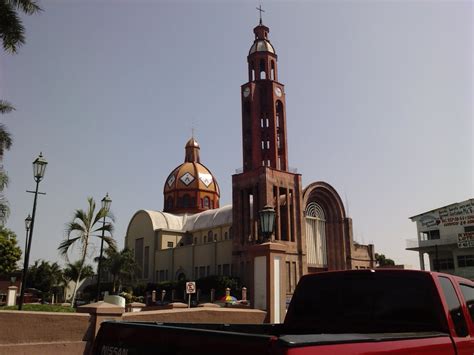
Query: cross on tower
{"points": [[261, 10]]}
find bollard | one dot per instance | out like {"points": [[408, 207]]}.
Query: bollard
{"points": [[213, 295], [244, 293], [163, 294]]}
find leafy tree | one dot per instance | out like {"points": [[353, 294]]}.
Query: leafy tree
{"points": [[44, 276], [121, 266], [80, 230], [12, 31], [4, 207], [382, 260], [10, 252], [71, 272], [12, 34]]}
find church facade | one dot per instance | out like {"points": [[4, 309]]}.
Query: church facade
{"points": [[194, 237]]}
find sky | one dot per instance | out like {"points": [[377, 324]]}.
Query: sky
{"points": [[378, 104]]}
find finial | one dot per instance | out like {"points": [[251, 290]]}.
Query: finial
{"points": [[192, 132], [261, 10]]}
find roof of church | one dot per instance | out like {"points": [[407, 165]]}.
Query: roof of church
{"points": [[186, 223]]}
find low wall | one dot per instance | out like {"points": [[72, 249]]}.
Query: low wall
{"points": [[47, 333], [43, 332], [199, 315]]}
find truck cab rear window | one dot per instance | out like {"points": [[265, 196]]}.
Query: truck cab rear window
{"points": [[371, 302]]}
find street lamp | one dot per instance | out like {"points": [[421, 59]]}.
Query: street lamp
{"points": [[27, 227], [106, 202], [267, 222], [39, 168]]}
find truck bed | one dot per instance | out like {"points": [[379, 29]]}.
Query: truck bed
{"points": [[175, 338]]}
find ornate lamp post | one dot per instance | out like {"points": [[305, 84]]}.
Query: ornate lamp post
{"points": [[267, 222], [106, 202], [27, 227], [39, 167]]}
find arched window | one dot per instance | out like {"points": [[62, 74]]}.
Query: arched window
{"points": [[205, 202], [186, 201], [273, 70], [263, 72], [209, 236], [316, 235], [169, 202]]}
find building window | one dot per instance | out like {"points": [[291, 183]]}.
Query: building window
{"points": [[209, 236], [146, 263], [169, 202], [430, 235], [202, 272], [139, 255], [219, 270], [468, 229], [170, 244], [316, 235], [186, 201], [226, 235], [226, 269], [162, 275], [196, 272], [205, 202], [443, 264], [208, 270], [465, 260]]}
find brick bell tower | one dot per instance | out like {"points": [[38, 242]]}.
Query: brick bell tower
{"points": [[270, 269]]}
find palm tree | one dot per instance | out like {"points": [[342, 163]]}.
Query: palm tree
{"points": [[12, 31], [79, 232], [121, 265]]}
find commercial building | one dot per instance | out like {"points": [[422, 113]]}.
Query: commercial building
{"points": [[446, 236]]}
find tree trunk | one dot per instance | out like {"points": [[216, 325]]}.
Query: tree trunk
{"points": [[79, 274]]}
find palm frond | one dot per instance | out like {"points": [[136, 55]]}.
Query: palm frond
{"points": [[73, 227], [65, 245], [6, 107], [12, 31], [3, 179], [29, 7], [6, 140], [110, 242], [107, 227]]}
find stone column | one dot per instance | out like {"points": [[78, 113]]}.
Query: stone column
{"points": [[100, 311], [268, 279], [422, 260], [11, 295]]}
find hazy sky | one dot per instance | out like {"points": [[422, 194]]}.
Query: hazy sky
{"points": [[379, 105]]}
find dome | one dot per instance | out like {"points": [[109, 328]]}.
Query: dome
{"points": [[191, 187], [261, 45], [192, 143]]}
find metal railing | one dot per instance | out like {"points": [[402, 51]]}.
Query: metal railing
{"points": [[416, 243]]}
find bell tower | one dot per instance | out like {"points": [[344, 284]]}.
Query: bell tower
{"points": [[266, 180], [263, 108]]}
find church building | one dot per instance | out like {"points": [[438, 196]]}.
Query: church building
{"points": [[194, 237]]}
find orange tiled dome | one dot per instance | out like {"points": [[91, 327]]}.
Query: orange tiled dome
{"points": [[191, 187]]}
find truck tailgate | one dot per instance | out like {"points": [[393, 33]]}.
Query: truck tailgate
{"points": [[150, 338]]}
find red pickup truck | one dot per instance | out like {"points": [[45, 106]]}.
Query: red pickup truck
{"points": [[332, 313]]}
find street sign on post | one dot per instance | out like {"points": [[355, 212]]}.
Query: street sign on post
{"points": [[190, 289]]}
